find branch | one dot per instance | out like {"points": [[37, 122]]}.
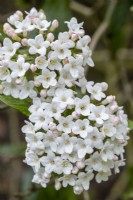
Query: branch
{"points": [[104, 25]]}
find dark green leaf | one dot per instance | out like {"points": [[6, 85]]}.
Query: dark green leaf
{"points": [[21, 105]]}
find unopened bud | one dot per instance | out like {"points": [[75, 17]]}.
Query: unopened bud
{"points": [[114, 108], [75, 115], [24, 42], [80, 164], [108, 100], [37, 83], [43, 93], [74, 37], [33, 67], [75, 170], [57, 185], [104, 86], [54, 25], [50, 37]]}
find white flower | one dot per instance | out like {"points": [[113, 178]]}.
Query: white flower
{"points": [[24, 26], [97, 138], [47, 78], [95, 90], [102, 176], [65, 124], [74, 27], [42, 25], [108, 130], [75, 66], [68, 144], [41, 62], [27, 90], [11, 89], [68, 180], [83, 105], [19, 68], [66, 167], [84, 147], [82, 127], [38, 45], [107, 152], [98, 114], [53, 61], [9, 49], [40, 119], [85, 179], [33, 160], [64, 97]]}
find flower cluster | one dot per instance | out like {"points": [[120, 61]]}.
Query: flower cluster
{"points": [[75, 132]]}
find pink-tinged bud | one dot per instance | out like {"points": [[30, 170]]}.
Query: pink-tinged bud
{"points": [[114, 108], [37, 83], [57, 185], [74, 37], [104, 86], [116, 121], [1, 57], [65, 61], [75, 115], [6, 26], [1, 89], [24, 42], [19, 80], [108, 100], [75, 170], [50, 37], [52, 126], [20, 14], [33, 67], [80, 164], [43, 93], [54, 25]]}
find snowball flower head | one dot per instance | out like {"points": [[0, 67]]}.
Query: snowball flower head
{"points": [[75, 133]]}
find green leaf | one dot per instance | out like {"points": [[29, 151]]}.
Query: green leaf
{"points": [[130, 124], [21, 105], [12, 150]]}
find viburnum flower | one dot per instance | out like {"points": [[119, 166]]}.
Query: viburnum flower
{"points": [[74, 133]]}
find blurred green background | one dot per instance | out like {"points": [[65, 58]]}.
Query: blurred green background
{"points": [[113, 57]]}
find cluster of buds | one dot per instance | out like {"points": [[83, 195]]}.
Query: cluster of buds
{"points": [[75, 133]]}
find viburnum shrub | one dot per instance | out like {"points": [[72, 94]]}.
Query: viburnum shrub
{"points": [[75, 133]]}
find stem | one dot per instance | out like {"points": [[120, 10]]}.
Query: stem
{"points": [[86, 195]]}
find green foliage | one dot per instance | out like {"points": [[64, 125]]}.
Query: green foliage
{"points": [[58, 10], [130, 124], [12, 150], [21, 105]]}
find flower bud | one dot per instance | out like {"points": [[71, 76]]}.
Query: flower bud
{"points": [[50, 37], [114, 108], [57, 185], [37, 83], [55, 24], [46, 175], [24, 42], [78, 189], [74, 37], [43, 93], [33, 67], [80, 164], [104, 86], [108, 100], [75, 170], [75, 115]]}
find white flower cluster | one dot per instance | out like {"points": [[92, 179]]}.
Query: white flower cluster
{"points": [[75, 132]]}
